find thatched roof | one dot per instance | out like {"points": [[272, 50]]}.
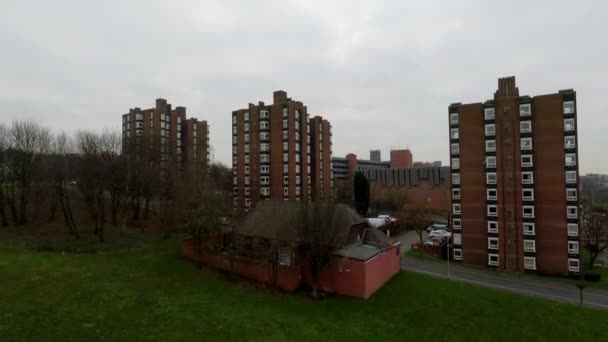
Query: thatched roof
{"points": [[279, 220]]}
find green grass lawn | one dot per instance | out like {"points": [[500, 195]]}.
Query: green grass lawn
{"points": [[152, 294]]}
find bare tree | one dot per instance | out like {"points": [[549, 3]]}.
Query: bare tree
{"points": [[62, 177], [414, 218], [3, 174], [27, 141], [319, 230], [594, 229]]}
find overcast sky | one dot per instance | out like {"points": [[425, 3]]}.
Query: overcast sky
{"points": [[383, 72]]}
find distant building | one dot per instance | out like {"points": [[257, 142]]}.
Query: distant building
{"points": [[343, 167], [165, 139], [514, 162], [401, 159], [280, 152], [375, 155]]}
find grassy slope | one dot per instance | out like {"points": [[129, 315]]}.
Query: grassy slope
{"points": [[154, 295]]}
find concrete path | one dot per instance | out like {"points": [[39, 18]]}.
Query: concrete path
{"points": [[526, 285]]}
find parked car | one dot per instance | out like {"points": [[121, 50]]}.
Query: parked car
{"points": [[430, 243], [437, 226], [387, 217], [440, 233]]}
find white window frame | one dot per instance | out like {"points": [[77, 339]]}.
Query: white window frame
{"points": [[527, 198], [571, 194], [527, 163], [455, 148], [568, 107], [491, 262], [246, 126], [247, 159], [571, 177], [264, 114], [527, 215], [453, 118], [490, 130], [264, 125], [574, 268], [567, 139], [525, 144], [265, 147], [491, 178], [285, 146], [455, 163], [525, 126], [265, 180], [456, 209], [489, 212], [489, 113], [457, 240], [454, 134], [456, 178], [570, 209], [569, 125], [525, 109], [246, 148], [488, 147], [286, 191], [285, 168], [457, 223], [527, 181], [530, 263], [490, 197], [490, 240], [490, 162], [570, 159], [285, 123], [285, 157], [572, 229], [247, 179], [265, 191], [456, 193], [531, 245], [529, 228], [573, 247], [492, 226], [246, 116], [457, 254]]}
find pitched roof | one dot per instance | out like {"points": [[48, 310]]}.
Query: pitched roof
{"points": [[279, 220]]}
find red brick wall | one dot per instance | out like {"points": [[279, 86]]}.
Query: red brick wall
{"points": [[401, 159]]}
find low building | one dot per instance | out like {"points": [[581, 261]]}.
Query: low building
{"points": [[269, 251]]}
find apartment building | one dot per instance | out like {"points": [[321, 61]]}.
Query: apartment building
{"points": [[514, 170], [165, 139], [280, 152], [401, 159]]}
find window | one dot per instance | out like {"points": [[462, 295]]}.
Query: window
{"points": [[246, 116], [455, 163], [529, 228], [571, 177], [247, 180], [525, 109], [247, 137], [264, 136], [572, 247], [572, 229], [529, 246], [526, 160], [247, 191], [455, 194], [247, 148], [526, 144], [454, 133], [285, 191], [492, 226], [493, 243], [285, 157], [569, 125], [527, 194], [572, 212], [264, 180], [490, 145], [285, 146], [492, 210], [298, 169], [455, 148], [456, 223], [527, 177], [285, 168], [571, 194], [568, 107], [265, 147], [528, 211], [570, 159], [285, 124], [456, 208], [456, 178], [264, 114], [264, 125], [570, 141], [491, 178], [247, 159], [265, 191], [247, 127], [457, 254], [525, 127], [457, 239], [491, 162], [573, 265], [490, 130], [285, 135], [491, 194], [264, 158], [530, 263], [233, 160], [284, 112], [489, 114], [285, 180], [454, 119]]}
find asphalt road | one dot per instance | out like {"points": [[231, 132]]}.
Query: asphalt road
{"points": [[526, 285]]}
